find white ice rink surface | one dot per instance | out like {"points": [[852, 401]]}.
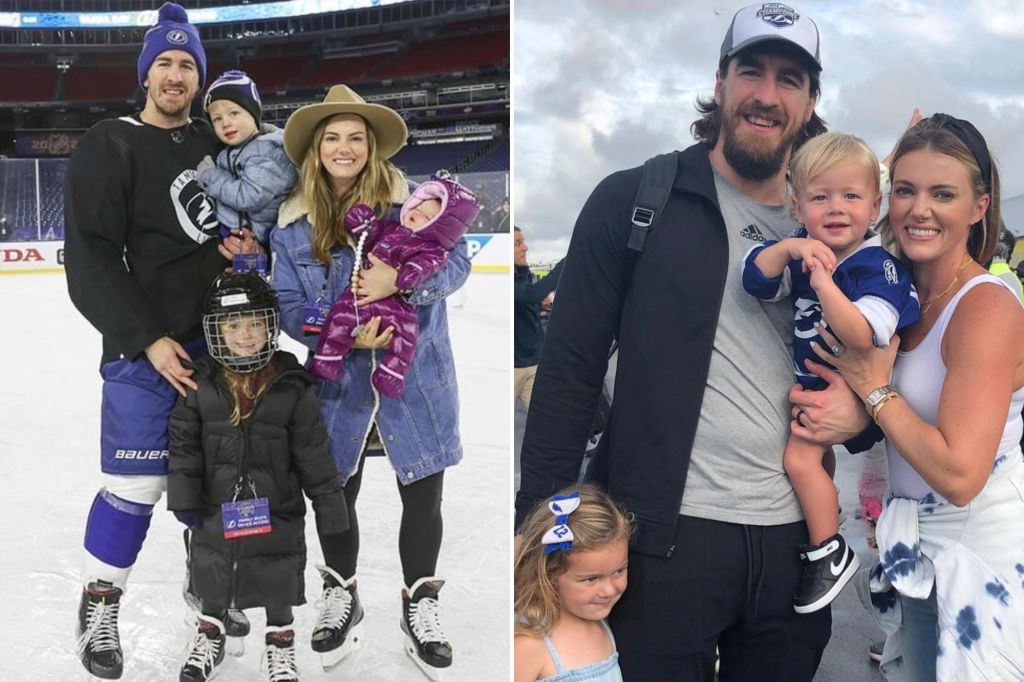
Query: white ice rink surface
{"points": [[49, 473]]}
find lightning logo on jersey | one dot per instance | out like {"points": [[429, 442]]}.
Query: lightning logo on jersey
{"points": [[194, 210]]}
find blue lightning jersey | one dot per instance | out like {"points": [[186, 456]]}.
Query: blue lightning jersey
{"points": [[872, 278]]}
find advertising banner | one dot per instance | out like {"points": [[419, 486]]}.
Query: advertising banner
{"points": [[21, 257], [45, 143], [489, 253]]}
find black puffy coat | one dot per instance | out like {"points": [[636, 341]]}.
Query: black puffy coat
{"points": [[283, 447]]}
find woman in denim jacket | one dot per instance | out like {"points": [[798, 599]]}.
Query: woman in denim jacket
{"points": [[341, 147]]}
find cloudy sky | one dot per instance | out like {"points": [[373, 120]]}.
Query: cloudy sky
{"points": [[601, 85]]}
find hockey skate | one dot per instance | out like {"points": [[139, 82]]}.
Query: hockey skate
{"points": [[338, 630], [206, 651], [99, 644], [425, 642], [279, 655], [236, 623]]}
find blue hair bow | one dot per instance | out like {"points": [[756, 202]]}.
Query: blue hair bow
{"points": [[560, 535]]}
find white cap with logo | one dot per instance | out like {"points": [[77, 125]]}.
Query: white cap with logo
{"points": [[771, 21]]}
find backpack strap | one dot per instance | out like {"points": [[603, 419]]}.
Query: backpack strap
{"points": [[659, 174], [656, 181]]}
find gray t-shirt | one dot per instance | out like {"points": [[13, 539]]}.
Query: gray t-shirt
{"points": [[736, 472]]}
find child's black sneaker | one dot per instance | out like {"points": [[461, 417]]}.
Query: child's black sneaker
{"points": [[827, 569]]}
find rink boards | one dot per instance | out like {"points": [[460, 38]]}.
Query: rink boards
{"points": [[489, 252]]}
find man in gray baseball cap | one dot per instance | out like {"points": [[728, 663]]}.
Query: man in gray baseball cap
{"points": [[700, 419], [772, 22]]}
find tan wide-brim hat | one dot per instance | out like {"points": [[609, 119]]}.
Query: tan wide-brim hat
{"points": [[388, 127]]}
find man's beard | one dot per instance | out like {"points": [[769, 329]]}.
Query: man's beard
{"points": [[750, 162], [169, 110], [172, 112]]}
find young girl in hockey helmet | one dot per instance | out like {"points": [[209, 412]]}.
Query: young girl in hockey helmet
{"points": [[244, 447], [570, 570]]}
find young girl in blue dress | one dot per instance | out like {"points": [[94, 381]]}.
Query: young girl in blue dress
{"points": [[570, 570]]}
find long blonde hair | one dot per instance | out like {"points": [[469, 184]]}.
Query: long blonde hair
{"points": [[373, 187], [248, 386], [932, 135], [597, 522]]}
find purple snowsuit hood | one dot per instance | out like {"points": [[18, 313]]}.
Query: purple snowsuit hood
{"points": [[459, 208]]}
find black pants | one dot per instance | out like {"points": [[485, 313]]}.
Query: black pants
{"points": [[419, 535], [726, 585]]}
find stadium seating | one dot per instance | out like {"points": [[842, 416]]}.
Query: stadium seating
{"points": [[27, 83], [101, 83], [348, 70], [495, 160], [29, 223], [19, 198], [275, 72], [409, 57], [51, 198], [425, 159], [451, 54]]}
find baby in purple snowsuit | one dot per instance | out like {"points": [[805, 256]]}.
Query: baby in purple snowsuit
{"points": [[433, 219]]}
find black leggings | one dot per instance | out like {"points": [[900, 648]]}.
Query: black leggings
{"points": [[277, 616], [419, 536]]}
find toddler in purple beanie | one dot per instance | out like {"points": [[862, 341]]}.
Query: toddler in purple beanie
{"points": [[252, 175]]}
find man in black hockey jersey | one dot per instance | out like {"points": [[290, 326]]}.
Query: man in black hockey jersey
{"points": [[142, 246]]}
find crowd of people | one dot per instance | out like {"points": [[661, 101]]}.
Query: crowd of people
{"points": [[174, 225], [718, 461]]}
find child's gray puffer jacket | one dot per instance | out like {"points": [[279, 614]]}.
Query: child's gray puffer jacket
{"points": [[250, 182]]}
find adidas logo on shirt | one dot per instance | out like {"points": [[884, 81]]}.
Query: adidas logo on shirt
{"points": [[753, 234]]}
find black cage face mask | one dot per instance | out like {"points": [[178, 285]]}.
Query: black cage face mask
{"points": [[243, 342]]}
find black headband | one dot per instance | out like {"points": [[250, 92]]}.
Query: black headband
{"points": [[972, 139]]}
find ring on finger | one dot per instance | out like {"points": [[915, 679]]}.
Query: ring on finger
{"points": [[799, 414], [838, 349]]}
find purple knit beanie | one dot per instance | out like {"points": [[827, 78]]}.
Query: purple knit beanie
{"points": [[171, 32], [237, 87]]}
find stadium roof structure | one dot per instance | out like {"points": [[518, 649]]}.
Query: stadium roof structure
{"points": [[79, 26], [198, 15]]}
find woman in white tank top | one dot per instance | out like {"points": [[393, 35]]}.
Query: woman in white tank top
{"points": [[949, 589]]}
